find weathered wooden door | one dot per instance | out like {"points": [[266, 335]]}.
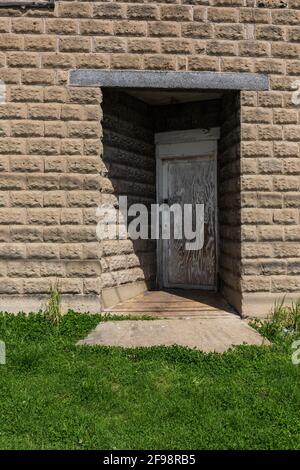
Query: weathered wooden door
{"points": [[187, 179]]}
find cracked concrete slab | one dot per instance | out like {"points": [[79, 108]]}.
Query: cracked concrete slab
{"points": [[216, 334]]}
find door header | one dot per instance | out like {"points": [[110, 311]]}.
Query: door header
{"points": [[189, 143], [169, 80], [191, 135]]}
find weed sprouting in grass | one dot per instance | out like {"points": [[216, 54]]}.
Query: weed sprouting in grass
{"points": [[283, 322], [53, 311], [295, 316]]}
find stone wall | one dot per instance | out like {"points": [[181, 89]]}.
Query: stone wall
{"points": [[50, 141], [270, 184], [129, 161], [50, 185], [229, 200]]}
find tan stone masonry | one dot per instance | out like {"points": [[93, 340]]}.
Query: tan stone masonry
{"points": [[52, 174]]}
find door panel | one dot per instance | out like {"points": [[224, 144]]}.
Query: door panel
{"points": [[190, 180]]}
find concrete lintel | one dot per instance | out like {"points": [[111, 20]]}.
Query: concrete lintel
{"points": [[169, 80]]}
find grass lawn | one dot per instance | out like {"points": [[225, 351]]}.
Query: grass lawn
{"points": [[55, 395]]}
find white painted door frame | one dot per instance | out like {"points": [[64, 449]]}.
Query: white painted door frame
{"points": [[179, 145]]}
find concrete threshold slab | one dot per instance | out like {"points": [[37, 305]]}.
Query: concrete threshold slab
{"points": [[170, 314], [215, 334]]}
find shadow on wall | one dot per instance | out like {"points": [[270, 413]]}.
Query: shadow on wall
{"points": [[229, 200], [129, 160]]}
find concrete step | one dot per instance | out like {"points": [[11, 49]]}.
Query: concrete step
{"points": [[209, 334]]}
